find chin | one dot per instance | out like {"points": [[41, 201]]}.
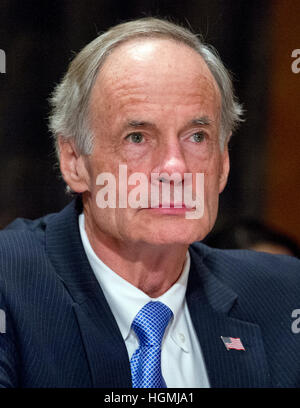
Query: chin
{"points": [[178, 233]]}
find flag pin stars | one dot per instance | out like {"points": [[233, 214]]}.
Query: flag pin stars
{"points": [[232, 343]]}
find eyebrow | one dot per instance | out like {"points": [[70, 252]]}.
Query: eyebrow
{"points": [[139, 123], [203, 120]]}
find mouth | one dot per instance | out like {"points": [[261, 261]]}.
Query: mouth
{"points": [[173, 205], [170, 209]]}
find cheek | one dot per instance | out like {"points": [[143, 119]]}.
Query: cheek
{"points": [[206, 169], [212, 174]]}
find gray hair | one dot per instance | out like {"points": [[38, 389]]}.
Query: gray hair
{"points": [[70, 98]]}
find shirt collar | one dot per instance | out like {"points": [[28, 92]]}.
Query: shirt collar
{"points": [[118, 292]]}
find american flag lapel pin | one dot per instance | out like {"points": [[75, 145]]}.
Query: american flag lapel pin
{"points": [[233, 343]]}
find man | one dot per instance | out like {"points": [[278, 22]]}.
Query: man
{"points": [[107, 294]]}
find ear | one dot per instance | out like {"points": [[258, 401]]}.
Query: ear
{"points": [[224, 168], [72, 166]]}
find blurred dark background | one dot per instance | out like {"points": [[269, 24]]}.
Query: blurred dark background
{"points": [[255, 40]]}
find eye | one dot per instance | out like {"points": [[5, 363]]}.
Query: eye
{"points": [[198, 137], [135, 137]]}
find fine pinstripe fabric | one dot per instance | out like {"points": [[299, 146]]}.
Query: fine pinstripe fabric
{"points": [[149, 325], [60, 331]]}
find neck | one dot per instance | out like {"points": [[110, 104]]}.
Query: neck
{"points": [[151, 268]]}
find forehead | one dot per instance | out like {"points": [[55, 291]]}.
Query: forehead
{"points": [[155, 71]]}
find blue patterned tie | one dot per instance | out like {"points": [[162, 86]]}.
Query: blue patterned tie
{"points": [[149, 325]]}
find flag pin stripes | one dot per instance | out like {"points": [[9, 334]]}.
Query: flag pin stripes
{"points": [[232, 343]]}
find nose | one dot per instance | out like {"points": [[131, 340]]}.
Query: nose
{"points": [[168, 173], [170, 158]]}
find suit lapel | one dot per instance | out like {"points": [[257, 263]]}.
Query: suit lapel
{"points": [[104, 346], [210, 303]]}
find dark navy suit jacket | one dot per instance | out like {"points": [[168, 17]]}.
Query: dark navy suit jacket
{"points": [[60, 331]]}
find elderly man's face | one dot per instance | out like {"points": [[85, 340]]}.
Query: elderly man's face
{"points": [[146, 111]]}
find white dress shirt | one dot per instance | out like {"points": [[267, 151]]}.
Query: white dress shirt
{"points": [[181, 357]]}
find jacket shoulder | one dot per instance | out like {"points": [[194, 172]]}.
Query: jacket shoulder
{"points": [[22, 243], [250, 271]]}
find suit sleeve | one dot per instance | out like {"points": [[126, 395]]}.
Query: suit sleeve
{"points": [[9, 356]]}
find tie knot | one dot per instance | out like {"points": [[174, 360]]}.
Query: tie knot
{"points": [[150, 323]]}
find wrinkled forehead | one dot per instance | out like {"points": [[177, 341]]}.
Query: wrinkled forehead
{"points": [[156, 68]]}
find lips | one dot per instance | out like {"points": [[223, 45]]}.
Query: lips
{"points": [[175, 205], [171, 208]]}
